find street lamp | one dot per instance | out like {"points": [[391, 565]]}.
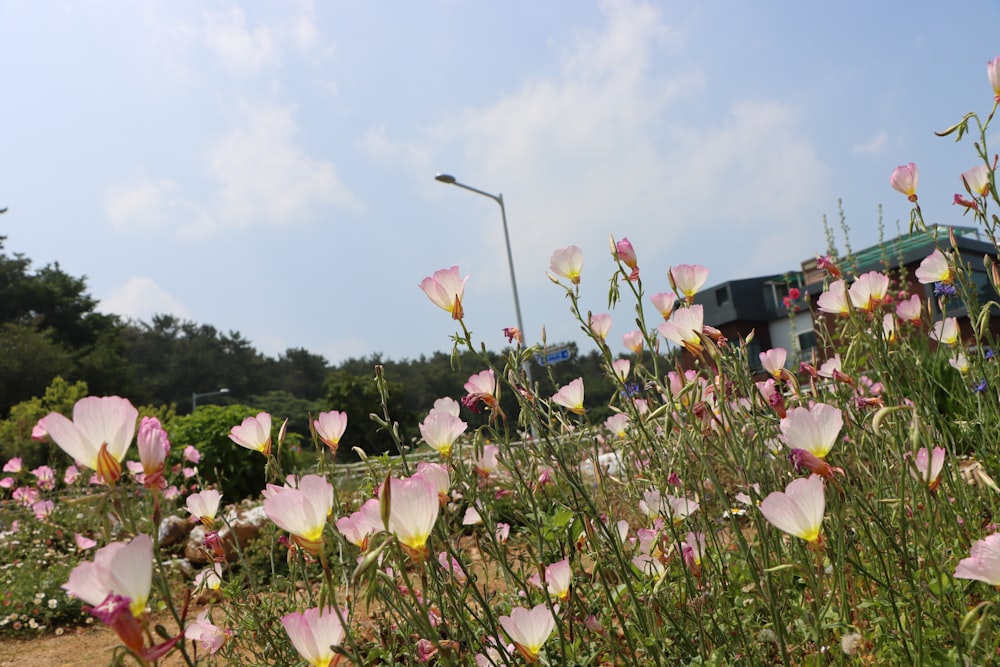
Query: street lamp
{"points": [[498, 198], [195, 396]]}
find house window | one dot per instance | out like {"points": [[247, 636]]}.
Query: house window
{"points": [[807, 341], [721, 296]]}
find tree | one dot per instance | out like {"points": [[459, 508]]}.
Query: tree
{"points": [[50, 328], [359, 398], [236, 471], [29, 359], [301, 373], [15, 431], [173, 358]]}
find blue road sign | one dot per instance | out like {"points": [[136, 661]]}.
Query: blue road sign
{"points": [[553, 356]]}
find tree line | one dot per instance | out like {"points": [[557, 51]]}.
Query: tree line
{"points": [[50, 328]]}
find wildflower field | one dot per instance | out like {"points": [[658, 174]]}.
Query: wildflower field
{"points": [[841, 510]]}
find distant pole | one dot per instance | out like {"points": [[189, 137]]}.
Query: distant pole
{"points": [[195, 396], [498, 198]]}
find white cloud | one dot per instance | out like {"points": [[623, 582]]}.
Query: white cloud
{"points": [[607, 146], [144, 204], [377, 144], [874, 145], [267, 178], [244, 51], [263, 177], [140, 298], [304, 32]]}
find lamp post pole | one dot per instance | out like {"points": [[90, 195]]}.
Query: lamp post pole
{"points": [[498, 198], [195, 396]]}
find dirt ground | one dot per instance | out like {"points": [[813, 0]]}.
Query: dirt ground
{"points": [[76, 648]]}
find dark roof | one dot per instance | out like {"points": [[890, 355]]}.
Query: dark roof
{"points": [[913, 247], [747, 299]]}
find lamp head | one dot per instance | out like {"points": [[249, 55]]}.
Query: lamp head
{"points": [[445, 178]]}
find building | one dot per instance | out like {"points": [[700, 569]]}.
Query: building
{"points": [[767, 305]]}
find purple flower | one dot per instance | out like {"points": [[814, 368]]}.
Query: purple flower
{"points": [[944, 289]]}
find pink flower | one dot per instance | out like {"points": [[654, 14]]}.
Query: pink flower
{"points": [[482, 387], [529, 629], [798, 510], [983, 563], [977, 180], [38, 431], [664, 303], [119, 569], [826, 263], [42, 509], [693, 549], [204, 506], [153, 449], [633, 341], [959, 200], [413, 510], [445, 289], [513, 334], [617, 424], [904, 179], [254, 433], [568, 263], [946, 331], [770, 392], [960, 363], [802, 458], [910, 309], [440, 430], [209, 579], [889, 327], [834, 299], [570, 396], [303, 511], [14, 465], [830, 368], [934, 269], [449, 405], [192, 455], [487, 463], [813, 429], [773, 361], [621, 368], [45, 477], [600, 325], [557, 579], [26, 495], [687, 279], [993, 72], [99, 435], [684, 328], [315, 632], [71, 475], [625, 253], [452, 567], [209, 637], [927, 466], [7, 483], [361, 525], [330, 427], [83, 542], [671, 508], [438, 476], [869, 291]]}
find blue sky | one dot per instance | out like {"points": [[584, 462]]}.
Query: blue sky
{"points": [[269, 167]]}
